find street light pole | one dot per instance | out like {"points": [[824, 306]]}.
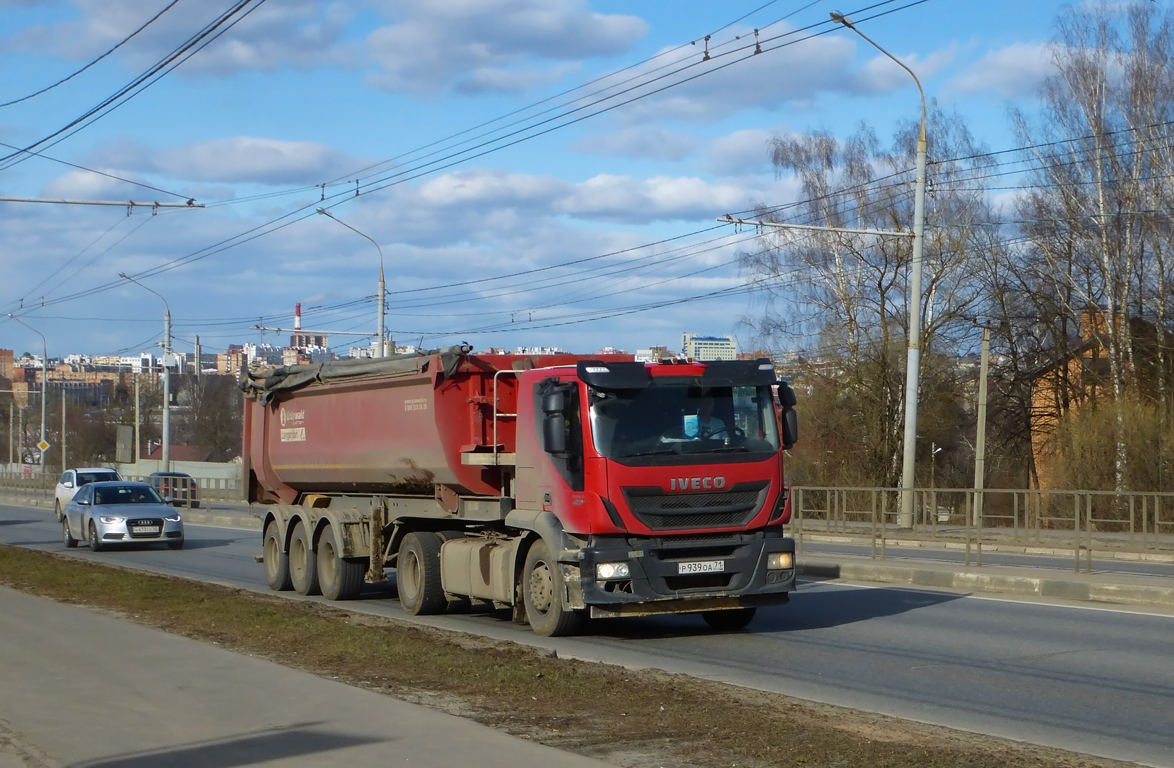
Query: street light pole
{"points": [[44, 382], [166, 447], [913, 358], [382, 286]]}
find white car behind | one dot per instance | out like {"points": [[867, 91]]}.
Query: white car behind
{"points": [[73, 479]]}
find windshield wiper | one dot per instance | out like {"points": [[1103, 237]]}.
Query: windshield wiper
{"points": [[666, 451]]}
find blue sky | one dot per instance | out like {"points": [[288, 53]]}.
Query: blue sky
{"points": [[303, 93]]}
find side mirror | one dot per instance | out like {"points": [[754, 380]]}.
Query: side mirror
{"points": [[790, 428], [83, 503], [170, 500], [554, 402], [68, 484], [554, 433]]}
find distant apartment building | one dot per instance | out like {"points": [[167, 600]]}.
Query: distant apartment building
{"points": [[230, 361], [705, 348], [262, 355], [654, 354], [7, 363]]}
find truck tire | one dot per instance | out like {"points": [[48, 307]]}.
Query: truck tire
{"points": [[417, 574], [276, 560], [729, 620], [542, 592], [303, 566], [339, 579], [67, 535]]}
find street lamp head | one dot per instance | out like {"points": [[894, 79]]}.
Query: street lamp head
{"points": [[324, 212], [840, 18], [124, 276]]}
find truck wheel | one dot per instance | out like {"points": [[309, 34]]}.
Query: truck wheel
{"points": [[340, 579], [728, 621], [417, 574], [67, 535], [276, 561], [303, 569], [456, 603], [542, 592]]}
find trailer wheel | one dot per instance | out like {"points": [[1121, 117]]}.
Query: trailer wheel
{"points": [[729, 620], [276, 560], [456, 603], [303, 569], [542, 592], [417, 574], [340, 579]]}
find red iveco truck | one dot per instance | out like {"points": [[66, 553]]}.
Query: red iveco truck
{"points": [[558, 486]]}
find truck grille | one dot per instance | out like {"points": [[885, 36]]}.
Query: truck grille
{"points": [[662, 511]]}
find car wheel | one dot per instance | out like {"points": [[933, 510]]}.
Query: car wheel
{"points": [[542, 593], [57, 510], [303, 567], [95, 543], [417, 574], [730, 620], [276, 560], [66, 535], [339, 579]]}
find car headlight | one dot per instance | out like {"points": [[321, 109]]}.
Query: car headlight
{"points": [[606, 571], [108, 519], [780, 561], [173, 518]]}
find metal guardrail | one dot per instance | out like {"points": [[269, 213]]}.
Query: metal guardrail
{"points": [[1082, 520]]}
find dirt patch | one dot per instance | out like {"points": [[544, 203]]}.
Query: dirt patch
{"points": [[628, 718]]}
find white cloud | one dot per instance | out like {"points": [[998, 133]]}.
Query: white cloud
{"points": [[740, 152], [641, 142], [1011, 72], [300, 34], [471, 45], [241, 159], [659, 198]]}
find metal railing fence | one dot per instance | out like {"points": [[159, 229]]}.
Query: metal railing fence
{"points": [[1083, 520], [181, 488]]}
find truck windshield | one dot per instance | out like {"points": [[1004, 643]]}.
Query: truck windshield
{"points": [[681, 419]]}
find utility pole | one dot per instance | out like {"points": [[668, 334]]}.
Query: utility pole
{"points": [[63, 465], [198, 365], [913, 358], [980, 438], [44, 385], [138, 425], [11, 433], [166, 448], [381, 347]]}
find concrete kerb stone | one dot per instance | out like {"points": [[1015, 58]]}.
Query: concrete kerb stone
{"points": [[995, 582], [1017, 549]]}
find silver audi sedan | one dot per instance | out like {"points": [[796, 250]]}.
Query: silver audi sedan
{"points": [[120, 513]]}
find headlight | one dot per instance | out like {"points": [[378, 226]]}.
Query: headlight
{"points": [[108, 519], [606, 571], [780, 561], [173, 518]]}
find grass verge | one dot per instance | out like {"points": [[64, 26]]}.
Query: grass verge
{"points": [[629, 718]]}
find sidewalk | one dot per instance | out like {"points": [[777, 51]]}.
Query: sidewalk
{"points": [[79, 688]]}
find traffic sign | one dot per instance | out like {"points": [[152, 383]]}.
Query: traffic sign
{"points": [[43, 446]]}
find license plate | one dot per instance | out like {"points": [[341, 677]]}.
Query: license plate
{"points": [[702, 566], [144, 529]]}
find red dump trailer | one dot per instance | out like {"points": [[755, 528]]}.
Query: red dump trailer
{"points": [[557, 486]]}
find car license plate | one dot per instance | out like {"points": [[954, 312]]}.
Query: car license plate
{"points": [[702, 566], [144, 529]]}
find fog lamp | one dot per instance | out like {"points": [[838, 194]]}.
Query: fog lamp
{"points": [[780, 561], [607, 571]]}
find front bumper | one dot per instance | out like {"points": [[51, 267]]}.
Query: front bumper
{"points": [[657, 585], [139, 530]]}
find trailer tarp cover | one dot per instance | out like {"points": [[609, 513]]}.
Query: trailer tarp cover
{"points": [[266, 383]]}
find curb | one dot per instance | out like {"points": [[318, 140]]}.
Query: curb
{"points": [[1000, 583]]}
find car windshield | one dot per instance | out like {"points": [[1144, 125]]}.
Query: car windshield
{"points": [[126, 494], [85, 478], [680, 419]]}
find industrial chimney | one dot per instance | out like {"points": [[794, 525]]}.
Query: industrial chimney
{"points": [[298, 316]]}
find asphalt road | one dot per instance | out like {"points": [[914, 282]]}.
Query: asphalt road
{"points": [[1087, 679]]}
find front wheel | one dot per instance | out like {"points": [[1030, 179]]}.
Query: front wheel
{"points": [[542, 593], [339, 579], [57, 510], [67, 535], [417, 574], [729, 620], [95, 543]]}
